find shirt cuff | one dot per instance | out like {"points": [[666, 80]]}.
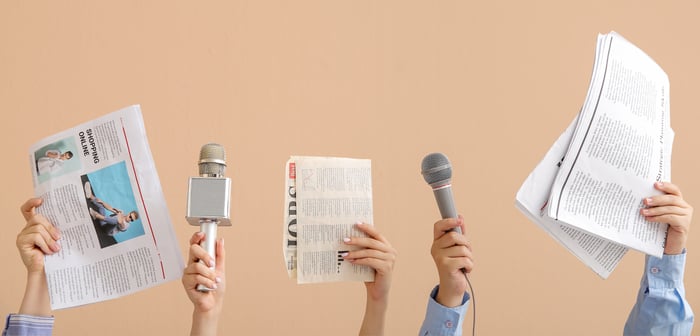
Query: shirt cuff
{"points": [[441, 320], [665, 272], [20, 324]]}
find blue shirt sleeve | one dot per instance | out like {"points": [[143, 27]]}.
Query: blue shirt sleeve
{"points": [[441, 320], [26, 325], [661, 307]]}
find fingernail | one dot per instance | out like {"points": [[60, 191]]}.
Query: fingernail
{"points": [[218, 280], [660, 184], [222, 242], [649, 200], [645, 212], [359, 223], [344, 254], [214, 286], [211, 263], [346, 239], [57, 246]]}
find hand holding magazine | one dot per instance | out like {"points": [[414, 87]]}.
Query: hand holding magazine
{"points": [[100, 188], [587, 192], [324, 198]]}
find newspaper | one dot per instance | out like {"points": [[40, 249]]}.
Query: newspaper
{"points": [[588, 190], [100, 188], [324, 198]]}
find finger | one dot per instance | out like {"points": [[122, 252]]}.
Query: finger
{"points": [[462, 225], [198, 253], [41, 221], [664, 210], [666, 199], [371, 231], [456, 251], [672, 220], [444, 225], [455, 264], [668, 188], [192, 280], [196, 238], [451, 239], [220, 256], [202, 270], [366, 242], [34, 237], [379, 265], [367, 254], [28, 208], [463, 263]]}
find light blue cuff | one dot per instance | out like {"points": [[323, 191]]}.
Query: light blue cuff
{"points": [[441, 320], [18, 324], [666, 272]]}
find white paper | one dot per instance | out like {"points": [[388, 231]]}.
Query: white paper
{"points": [[587, 192], [88, 197]]}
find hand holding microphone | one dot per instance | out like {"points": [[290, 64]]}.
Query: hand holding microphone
{"points": [[450, 249], [208, 198]]}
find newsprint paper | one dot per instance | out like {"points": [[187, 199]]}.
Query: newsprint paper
{"points": [[100, 188], [587, 192], [324, 198]]}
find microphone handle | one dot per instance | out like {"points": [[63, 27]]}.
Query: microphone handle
{"points": [[209, 245], [446, 204]]}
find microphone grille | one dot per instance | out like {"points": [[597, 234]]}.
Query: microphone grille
{"points": [[212, 160], [436, 169]]}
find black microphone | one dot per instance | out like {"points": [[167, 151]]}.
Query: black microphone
{"points": [[208, 198], [437, 172]]}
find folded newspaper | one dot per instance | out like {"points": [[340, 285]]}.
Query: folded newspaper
{"points": [[324, 198], [100, 188], [587, 192]]}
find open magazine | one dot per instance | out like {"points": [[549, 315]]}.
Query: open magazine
{"points": [[100, 188], [587, 192], [324, 198]]}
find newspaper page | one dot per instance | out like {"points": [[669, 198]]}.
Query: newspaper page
{"points": [[621, 145], [600, 255], [330, 195], [100, 188]]}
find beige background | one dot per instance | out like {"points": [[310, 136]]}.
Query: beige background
{"points": [[491, 84]]}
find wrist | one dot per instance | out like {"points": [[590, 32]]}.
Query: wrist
{"points": [[205, 322], [449, 294], [36, 299]]}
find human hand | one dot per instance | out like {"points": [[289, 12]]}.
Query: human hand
{"points": [[198, 273], [451, 252], [670, 208], [37, 238], [377, 253]]}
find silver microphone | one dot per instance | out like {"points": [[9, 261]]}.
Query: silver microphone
{"points": [[208, 198], [437, 172]]}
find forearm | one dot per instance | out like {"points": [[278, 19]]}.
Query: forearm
{"points": [[375, 316], [204, 323], [36, 300]]}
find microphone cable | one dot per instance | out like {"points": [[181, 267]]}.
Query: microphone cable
{"points": [[473, 304]]}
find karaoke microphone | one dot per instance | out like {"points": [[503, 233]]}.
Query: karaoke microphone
{"points": [[208, 198]]}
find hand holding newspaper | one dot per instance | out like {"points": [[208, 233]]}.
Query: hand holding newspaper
{"points": [[324, 198], [587, 192], [100, 188]]}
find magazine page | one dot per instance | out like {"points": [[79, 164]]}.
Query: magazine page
{"points": [[100, 188], [622, 144], [332, 194], [600, 255]]}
